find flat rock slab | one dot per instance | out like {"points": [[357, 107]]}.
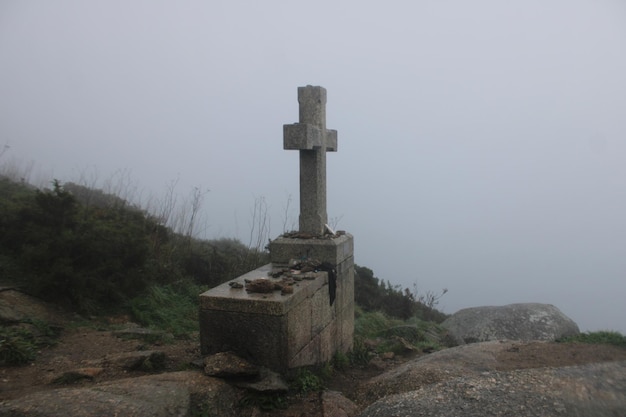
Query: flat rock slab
{"points": [[16, 306], [228, 365], [170, 394], [597, 390], [334, 404], [528, 321], [479, 358], [268, 381], [436, 367]]}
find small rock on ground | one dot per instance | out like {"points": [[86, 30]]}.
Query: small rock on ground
{"points": [[228, 365], [334, 404], [268, 381]]}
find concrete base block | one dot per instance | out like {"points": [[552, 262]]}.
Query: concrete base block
{"points": [[283, 331], [333, 251]]}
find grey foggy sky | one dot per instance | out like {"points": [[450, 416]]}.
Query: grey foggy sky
{"points": [[481, 143]]}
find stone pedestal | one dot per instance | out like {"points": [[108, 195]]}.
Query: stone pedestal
{"points": [[339, 252], [291, 330]]}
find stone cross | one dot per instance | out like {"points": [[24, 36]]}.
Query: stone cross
{"points": [[313, 140]]}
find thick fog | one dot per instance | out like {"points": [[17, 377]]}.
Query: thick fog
{"points": [[481, 144]]}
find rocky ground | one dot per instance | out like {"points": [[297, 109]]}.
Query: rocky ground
{"points": [[93, 351]]}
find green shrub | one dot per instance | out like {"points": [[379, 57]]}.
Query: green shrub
{"points": [[171, 307], [307, 381], [17, 346], [372, 324], [95, 253], [87, 258], [604, 337], [374, 294], [359, 355], [392, 335], [340, 361], [45, 334]]}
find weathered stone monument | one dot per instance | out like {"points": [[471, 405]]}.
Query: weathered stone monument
{"points": [[299, 309], [312, 139]]}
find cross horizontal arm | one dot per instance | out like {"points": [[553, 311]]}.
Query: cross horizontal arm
{"points": [[303, 136]]}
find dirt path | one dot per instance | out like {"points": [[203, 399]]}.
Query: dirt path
{"points": [[86, 348]]}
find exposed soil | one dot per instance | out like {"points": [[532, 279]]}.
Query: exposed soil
{"points": [[84, 346], [556, 355]]}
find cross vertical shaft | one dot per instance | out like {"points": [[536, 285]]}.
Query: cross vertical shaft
{"points": [[313, 140]]}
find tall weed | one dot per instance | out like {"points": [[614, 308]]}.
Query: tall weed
{"points": [[169, 307]]}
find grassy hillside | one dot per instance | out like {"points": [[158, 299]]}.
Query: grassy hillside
{"points": [[94, 253], [98, 256]]}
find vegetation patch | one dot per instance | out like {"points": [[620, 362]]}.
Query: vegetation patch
{"points": [[264, 401], [17, 346], [341, 361], [374, 294], [171, 307], [45, 334], [20, 343], [604, 337], [93, 252], [360, 354], [372, 324], [376, 332], [306, 381], [154, 363]]}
